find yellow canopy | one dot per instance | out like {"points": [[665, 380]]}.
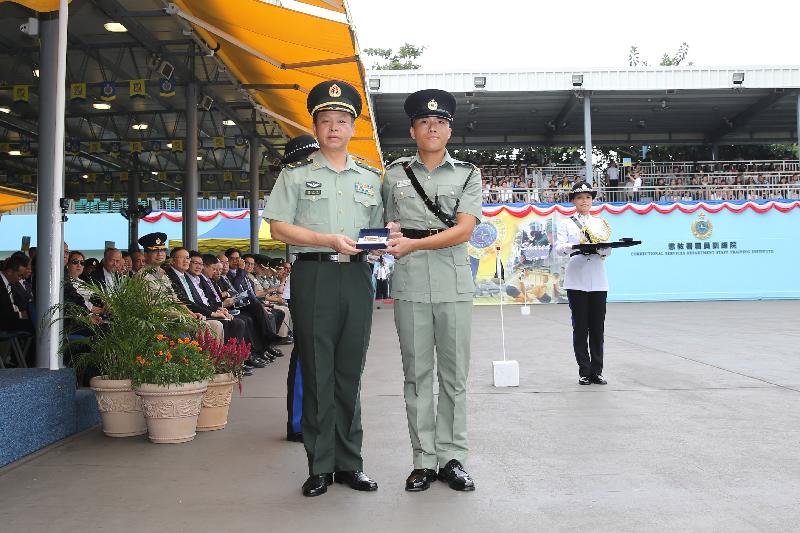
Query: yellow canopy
{"points": [[11, 199], [42, 6], [286, 53]]}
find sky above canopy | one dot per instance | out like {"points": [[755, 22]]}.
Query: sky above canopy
{"points": [[520, 34]]}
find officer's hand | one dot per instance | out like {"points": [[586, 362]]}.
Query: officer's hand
{"points": [[343, 244], [394, 230], [400, 246]]}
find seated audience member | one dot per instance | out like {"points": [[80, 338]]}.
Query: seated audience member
{"points": [[137, 261], [89, 268], [126, 267], [13, 312], [107, 274], [155, 253]]}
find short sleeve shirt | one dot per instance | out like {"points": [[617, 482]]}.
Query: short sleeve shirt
{"points": [[312, 195], [432, 276]]}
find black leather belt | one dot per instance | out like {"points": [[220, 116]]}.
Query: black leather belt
{"points": [[325, 257], [420, 233]]}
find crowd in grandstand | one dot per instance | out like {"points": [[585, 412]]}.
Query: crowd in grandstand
{"points": [[637, 183]]}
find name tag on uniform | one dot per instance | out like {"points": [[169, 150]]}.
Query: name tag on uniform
{"points": [[364, 188], [313, 184], [403, 183], [313, 192]]}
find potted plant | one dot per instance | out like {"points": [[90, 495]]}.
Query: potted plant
{"points": [[228, 361], [131, 313], [171, 377]]}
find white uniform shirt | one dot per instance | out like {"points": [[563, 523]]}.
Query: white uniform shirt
{"points": [[584, 272]]}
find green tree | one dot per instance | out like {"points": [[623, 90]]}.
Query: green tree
{"points": [[666, 60], [386, 59]]}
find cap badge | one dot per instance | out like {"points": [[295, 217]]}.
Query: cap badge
{"points": [[433, 105], [335, 91], [158, 241]]}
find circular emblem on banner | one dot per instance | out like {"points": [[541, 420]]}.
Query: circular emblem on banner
{"points": [[108, 89], [485, 237], [433, 105], [335, 91], [702, 228]]}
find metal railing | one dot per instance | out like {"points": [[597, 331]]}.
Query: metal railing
{"points": [[649, 194], [162, 204]]}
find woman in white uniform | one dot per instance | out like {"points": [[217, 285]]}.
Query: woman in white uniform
{"points": [[586, 282]]}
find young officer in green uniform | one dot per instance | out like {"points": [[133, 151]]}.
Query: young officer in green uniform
{"points": [[318, 206], [433, 288]]}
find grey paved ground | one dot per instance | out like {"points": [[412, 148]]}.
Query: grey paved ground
{"points": [[698, 430]]}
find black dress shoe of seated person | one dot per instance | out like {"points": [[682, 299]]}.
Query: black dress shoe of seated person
{"points": [[455, 476], [255, 363], [294, 436], [289, 339], [247, 371], [274, 352], [420, 479], [317, 484], [584, 381], [356, 479], [598, 379]]}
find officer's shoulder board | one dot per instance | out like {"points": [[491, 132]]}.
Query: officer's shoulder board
{"points": [[366, 166], [465, 164], [398, 161], [298, 164]]}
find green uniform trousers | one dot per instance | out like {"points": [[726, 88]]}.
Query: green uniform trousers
{"points": [[438, 437], [332, 309]]}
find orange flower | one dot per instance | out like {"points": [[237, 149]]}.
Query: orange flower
{"points": [[180, 341], [160, 352], [159, 337], [172, 343], [168, 356], [186, 340]]}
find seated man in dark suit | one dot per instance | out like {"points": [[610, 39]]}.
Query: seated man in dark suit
{"points": [[107, 273], [188, 294], [13, 313]]}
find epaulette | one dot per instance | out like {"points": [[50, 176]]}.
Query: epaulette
{"points": [[366, 166], [301, 163], [466, 164], [398, 160]]}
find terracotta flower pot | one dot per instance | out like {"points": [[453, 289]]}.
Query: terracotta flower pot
{"points": [[120, 408], [171, 410], [216, 402]]}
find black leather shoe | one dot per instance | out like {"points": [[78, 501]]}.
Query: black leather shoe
{"points": [[599, 380], [420, 479], [317, 484], [294, 437], [285, 340], [356, 479], [247, 371], [584, 381], [254, 363], [271, 350], [455, 476]]}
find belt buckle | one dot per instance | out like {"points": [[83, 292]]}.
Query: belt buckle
{"points": [[342, 258]]}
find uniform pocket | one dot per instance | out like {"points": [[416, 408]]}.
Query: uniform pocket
{"points": [[447, 196], [364, 204], [313, 208], [409, 205]]}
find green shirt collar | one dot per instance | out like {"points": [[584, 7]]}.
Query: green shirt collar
{"points": [[446, 161], [320, 162]]}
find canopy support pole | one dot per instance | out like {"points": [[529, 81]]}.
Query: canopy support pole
{"points": [[587, 137], [190, 185], [255, 220], [49, 222]]}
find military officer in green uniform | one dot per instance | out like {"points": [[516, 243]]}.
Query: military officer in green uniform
{"points": [[437, 201], [318, 206]]}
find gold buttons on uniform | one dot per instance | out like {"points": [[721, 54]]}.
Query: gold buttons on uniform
{"points": [[429, 177]]}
